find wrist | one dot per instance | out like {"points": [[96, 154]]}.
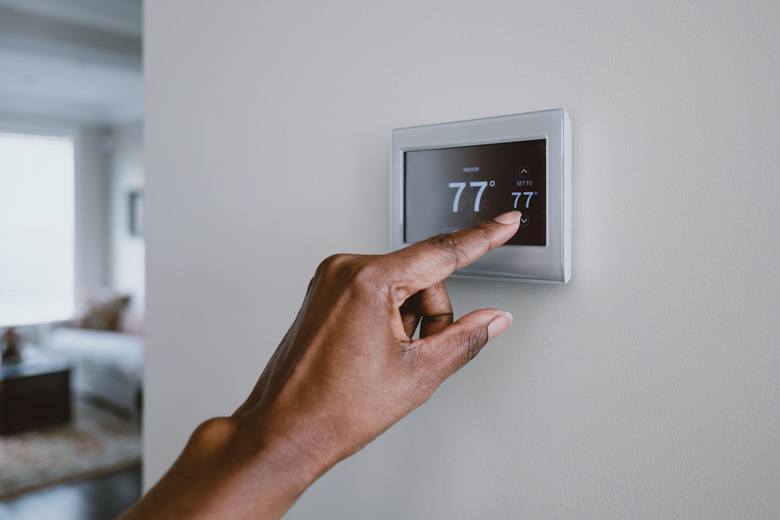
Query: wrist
{"points": [[294, 454], [262, 475], [224, 472]]}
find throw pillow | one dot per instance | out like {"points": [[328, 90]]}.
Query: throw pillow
{"points": [[105, 315]]}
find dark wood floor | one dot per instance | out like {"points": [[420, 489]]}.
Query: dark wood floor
{"points": [[99, 499]]}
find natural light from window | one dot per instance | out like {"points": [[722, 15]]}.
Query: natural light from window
{"points": [[37, 214]]}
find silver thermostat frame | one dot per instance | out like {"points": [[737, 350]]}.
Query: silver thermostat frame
{"points": [[541, 264]]}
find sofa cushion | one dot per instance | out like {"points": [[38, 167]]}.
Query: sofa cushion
{"points": [[106, 365]]}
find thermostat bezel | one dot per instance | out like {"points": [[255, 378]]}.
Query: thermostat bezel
{"points": [[550, 263]]}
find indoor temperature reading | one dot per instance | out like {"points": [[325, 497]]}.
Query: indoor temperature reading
{"points": [[447, 189]]}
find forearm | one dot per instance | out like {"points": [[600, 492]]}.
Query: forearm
{"points": [[224, 472]]}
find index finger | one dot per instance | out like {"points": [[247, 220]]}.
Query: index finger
{"points": [[428, 262]]}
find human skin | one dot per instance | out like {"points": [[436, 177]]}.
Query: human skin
{"points": [[346, 371]]}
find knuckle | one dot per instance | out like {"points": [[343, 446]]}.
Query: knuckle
{"points": [[445, 241], [366, 276], [450, 248], [471, 347], [365, 272], [472, 344], [357, 273], [445, 318], [331, 265]]}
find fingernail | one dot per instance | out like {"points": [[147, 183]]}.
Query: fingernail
{"points": [[499, 325], [508, 218]]}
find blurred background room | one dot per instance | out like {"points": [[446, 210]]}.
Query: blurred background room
{"points": [[71, 257]]}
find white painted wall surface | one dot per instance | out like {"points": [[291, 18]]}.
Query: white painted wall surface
{"points": [[93, 209], [127, 176], [648, 387]]}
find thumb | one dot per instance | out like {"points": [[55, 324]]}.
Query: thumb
{"points": [[457, 344]]}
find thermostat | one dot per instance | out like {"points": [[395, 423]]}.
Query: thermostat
{"points": [[449, 176]]}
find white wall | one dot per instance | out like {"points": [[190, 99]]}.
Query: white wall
{"points": [[645, 388], [127, 176], [93, 203]]}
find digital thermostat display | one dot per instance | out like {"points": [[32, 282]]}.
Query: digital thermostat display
{"points": [[449, 176], [448, 189]]}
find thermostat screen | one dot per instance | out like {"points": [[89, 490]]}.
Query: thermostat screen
{"points": [[448, 189]]}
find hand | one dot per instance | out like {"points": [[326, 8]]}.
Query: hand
{"points": [[347, 369]]}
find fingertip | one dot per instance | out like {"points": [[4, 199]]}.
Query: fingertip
{"points": [[510, 217], [499, 325]]}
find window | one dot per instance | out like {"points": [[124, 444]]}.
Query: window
{"points": [[37, 223]]}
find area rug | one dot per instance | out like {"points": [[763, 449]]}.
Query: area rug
{"points": [[94, 444]]}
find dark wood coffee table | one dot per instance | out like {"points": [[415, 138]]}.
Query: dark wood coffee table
{"points": [[34, 394]]}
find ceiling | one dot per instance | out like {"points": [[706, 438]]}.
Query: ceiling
{"points": [[75, 59]]}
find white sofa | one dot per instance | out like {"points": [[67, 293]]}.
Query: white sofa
{"points": [[107, 367]]}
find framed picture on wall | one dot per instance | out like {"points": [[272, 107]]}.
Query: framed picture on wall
{"points": [[136, 213]]}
